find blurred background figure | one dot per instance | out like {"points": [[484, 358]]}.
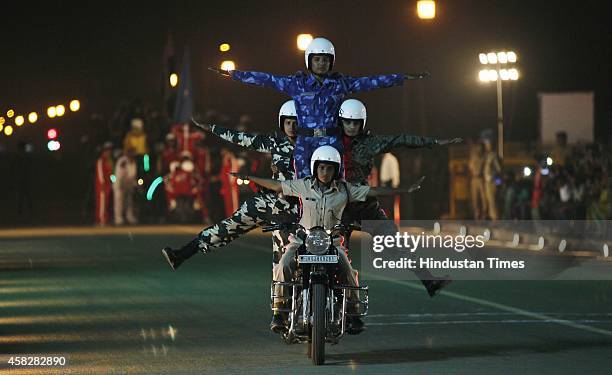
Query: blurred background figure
{"points": [[136, 138], [124, 188], [477, 196], [491, 171], [560, 151], [103, 184], [183, 189], [390, 177], [187, 136]]}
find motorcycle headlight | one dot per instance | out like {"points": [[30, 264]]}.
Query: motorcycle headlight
{"points": [[317, 241]]}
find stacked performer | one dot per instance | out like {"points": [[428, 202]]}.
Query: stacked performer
{"points": [[318, 95]]}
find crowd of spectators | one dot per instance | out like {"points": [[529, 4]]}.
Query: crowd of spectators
{"points": [[566, 183], [153, 170]]}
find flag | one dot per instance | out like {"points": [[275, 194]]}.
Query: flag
{"points": [[183, 107]]}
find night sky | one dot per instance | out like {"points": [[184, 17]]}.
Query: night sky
{"points": [[107, 52]]}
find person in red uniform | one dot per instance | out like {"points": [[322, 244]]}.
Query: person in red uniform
{"points": [[168, 154], [229, 188], [202, 164], [183, 180], [186, 137], [104, 170]]}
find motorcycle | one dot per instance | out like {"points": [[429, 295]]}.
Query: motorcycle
{"points": [[319, 304]]}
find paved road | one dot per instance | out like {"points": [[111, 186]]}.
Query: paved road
{"points": [[110, 305]]}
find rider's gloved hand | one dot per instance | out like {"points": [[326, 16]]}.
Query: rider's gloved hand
{"points": [[422, 75], [224, 73]]}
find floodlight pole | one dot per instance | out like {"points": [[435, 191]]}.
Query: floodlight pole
{"points": [[500, 115]]}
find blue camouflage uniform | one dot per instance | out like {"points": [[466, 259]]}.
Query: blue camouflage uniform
{"points": [[317, 105]]}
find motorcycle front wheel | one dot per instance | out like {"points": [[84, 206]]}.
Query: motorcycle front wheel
{"points": [[318, 324]]}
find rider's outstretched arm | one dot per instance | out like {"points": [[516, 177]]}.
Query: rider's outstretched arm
{"points": [[268, 183], [358, 84], [255, 142], [281, 83], [378, 191], [380, 144]]}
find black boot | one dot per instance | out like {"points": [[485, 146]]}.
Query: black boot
{"points": [[176, 257], [278, 325], [435, 285], [355, 325]]}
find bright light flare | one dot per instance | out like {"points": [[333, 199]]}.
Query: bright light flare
{"points": [[2, 120], [140, 182], [483, 75], [502, 57], [60, 110], [483, 58], [228, 65], [53, 145], [75, 105], [303, 40], [511, 57], [51, 112], [504, 74], [10, 113], [173, 80], [51, 134], [526, 171], [32, 117], [492, 58], [8, 130], [514, 74], [426, 9], [549, 161], [19, 120], [224, 47]]}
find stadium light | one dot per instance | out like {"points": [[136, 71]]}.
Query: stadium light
{"points": [[8, 130], [508, 73], [51, 112], [19, 120], [224, 47], [10, 113], [303, 40]]}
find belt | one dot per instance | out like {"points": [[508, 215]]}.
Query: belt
{"points": [[329, 132]]}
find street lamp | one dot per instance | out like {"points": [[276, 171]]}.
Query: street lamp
{"points": [[426, 9], [75, 105], [228, 65], [498, 74], [303, 40], [60, 110]]}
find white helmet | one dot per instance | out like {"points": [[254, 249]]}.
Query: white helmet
{"points": [[320, 46], [327, 154], [355, 110], [286, 110]]}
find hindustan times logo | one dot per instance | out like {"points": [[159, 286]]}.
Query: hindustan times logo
{"points": [[414, 242]]}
